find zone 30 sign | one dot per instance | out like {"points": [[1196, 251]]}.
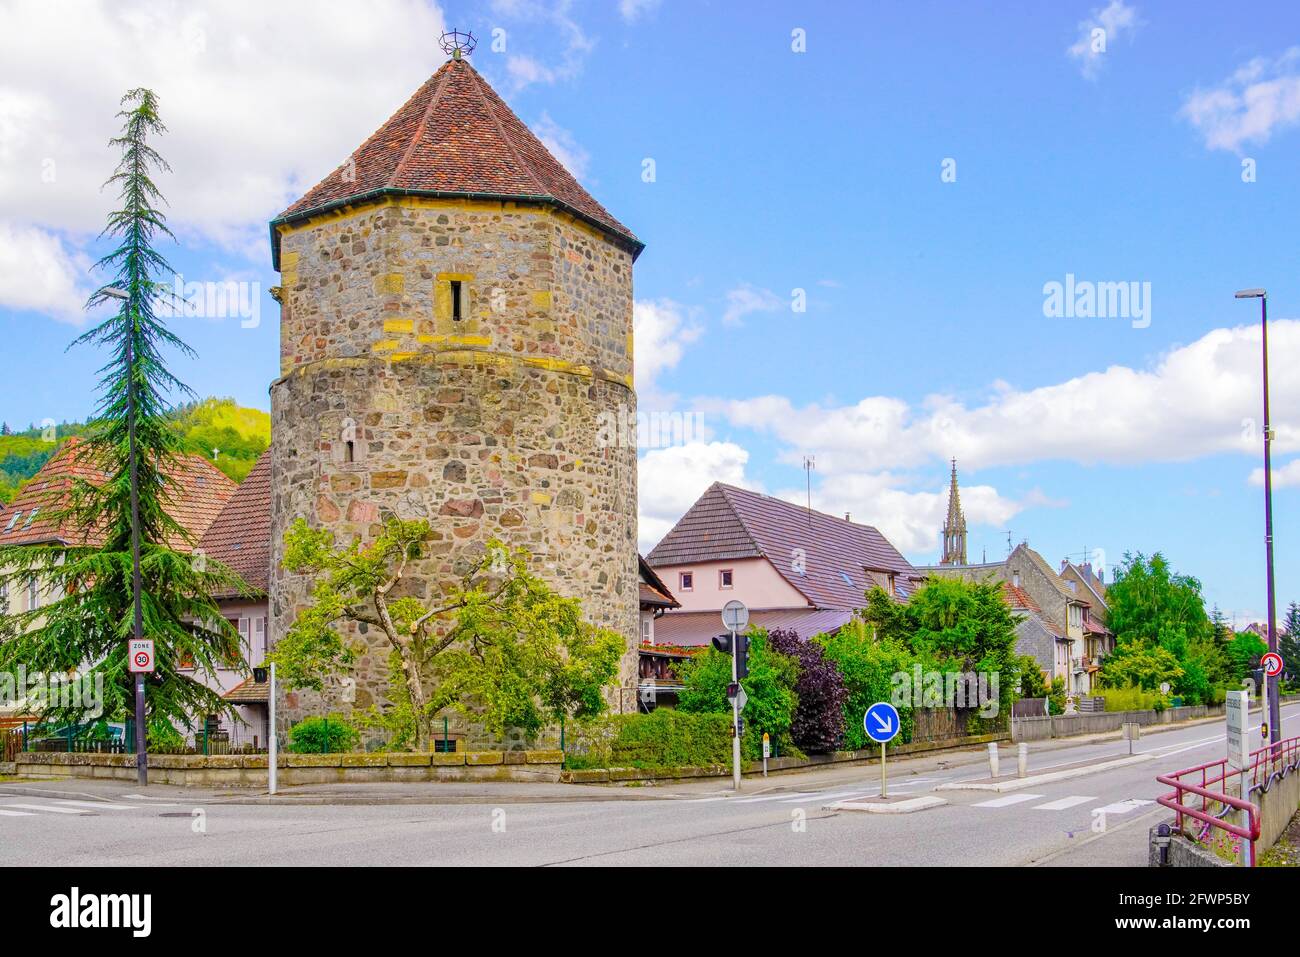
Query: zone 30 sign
{"points": [[140, 655]]}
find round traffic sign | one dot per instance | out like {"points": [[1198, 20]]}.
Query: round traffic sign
{"points": [[1272, 664], [142, 659], [735, 616], [881, 722]]}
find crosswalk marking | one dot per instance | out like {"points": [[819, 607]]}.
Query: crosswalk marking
{"points": [[97, 805], [1064, 803], [1122, 807], [774, 797], [4, 813], [1008, 800], [49, 807]]}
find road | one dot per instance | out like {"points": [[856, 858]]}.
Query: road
{"points": [[780, 821]]}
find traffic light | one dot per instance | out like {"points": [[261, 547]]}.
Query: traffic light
{"points": [[722, 643], [742, 656]]}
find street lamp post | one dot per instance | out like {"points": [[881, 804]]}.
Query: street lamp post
{"points": [[141, 756], [1274, 704]]}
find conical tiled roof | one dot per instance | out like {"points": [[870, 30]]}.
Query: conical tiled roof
{"points": [[457, 138]]}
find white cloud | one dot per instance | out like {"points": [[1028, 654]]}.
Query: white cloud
{"points": [[1197, 400], [525, 69], [1097, 34], [633, 10], [39, 272], [661, 331], [254, 96], [1261, 97], [1283, 476], [670, 480], [746, 299], [911, 520], [562, 145]]}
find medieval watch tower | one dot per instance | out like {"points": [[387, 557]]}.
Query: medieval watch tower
{"points": [[456, 325], [954, 526]]}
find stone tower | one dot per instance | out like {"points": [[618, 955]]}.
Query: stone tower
{"points": [[456, 328], [954, 526]]}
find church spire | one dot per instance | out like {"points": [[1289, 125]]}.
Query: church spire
{"points": [[954, 527]]}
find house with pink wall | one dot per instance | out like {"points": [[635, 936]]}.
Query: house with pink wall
{"points": [[793, 567]]}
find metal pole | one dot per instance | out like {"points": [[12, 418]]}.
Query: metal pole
{"points": [[735, 717], [273, 756], [1274, 704], [884, 781]]}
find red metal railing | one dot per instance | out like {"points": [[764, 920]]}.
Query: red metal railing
{"points": [[1266, 765]]}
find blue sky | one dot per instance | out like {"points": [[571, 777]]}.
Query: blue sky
{"points": [[924, 334]]}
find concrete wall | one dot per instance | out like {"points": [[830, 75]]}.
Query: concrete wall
{"points": [[250, 770], [1064, 726], [1277, 806]]}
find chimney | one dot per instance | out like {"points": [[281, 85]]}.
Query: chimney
{"points": [[846, 516]]}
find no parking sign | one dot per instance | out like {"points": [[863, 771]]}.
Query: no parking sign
{"points": [[140, 655]]}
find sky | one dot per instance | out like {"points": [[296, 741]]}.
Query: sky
{"points": [[878, 235]]}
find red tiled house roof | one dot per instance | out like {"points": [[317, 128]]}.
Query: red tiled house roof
{"points": [[240, 538], [654, 593], [840, 559], [454, 138], [199, 493]]}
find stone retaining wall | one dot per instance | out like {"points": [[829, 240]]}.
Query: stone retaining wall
{"points": [[774, 765], [250, 770]]}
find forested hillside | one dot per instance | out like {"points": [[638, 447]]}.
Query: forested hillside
{"points": [[220, 430]]}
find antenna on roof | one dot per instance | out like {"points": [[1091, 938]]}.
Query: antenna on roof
{"points": [[1008, 541], [809, 463], [455, 44]]}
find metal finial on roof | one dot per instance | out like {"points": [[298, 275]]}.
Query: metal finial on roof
{"points": [[456, 44]]}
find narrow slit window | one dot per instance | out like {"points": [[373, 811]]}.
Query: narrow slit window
{"points": [[349, 451], [456, 303]]}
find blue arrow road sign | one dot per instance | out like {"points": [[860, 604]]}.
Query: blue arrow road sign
{"points": [[881, 722]]}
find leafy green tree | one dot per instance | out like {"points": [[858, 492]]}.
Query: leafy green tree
{"points": [[1151, 606], [868, 666], [957, 625], [769, 688], [89, 619], [1243, 654], [503, 645], [1032, 682], [1134, 664]]}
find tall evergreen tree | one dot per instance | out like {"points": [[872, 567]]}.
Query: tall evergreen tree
{"points": [[1288, 640], [89, 619]]}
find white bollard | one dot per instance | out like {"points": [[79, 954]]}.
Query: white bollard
{"points": [[1023, 765], [993, 759]]}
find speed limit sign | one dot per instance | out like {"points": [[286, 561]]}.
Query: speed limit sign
{"points": [[140, 655]]}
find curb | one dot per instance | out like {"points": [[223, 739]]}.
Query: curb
{"points": [[1016, 784], [902, 807]]}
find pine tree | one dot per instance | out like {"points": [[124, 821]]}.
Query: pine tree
{"points": [[1223, 632], [1288, 640], [87, 623]]}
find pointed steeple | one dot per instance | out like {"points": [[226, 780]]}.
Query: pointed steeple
{"points": [[954, 526]]}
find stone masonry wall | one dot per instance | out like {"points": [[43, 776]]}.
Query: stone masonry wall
{"points": [[489, 425]]}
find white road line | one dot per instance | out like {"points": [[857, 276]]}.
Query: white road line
{"points": [[4, 813], [1065, 802], [1008, 800], [775, 797], [50, 808], [144, 797], [822, 795], [97, 805], [1122, 807]]}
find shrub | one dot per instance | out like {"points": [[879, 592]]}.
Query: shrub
{"points": [[664, 738], [1056, 699], [819, 719], [163, 738], [770, 690], [867, 667], [317, 735], [1131, 698]]}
